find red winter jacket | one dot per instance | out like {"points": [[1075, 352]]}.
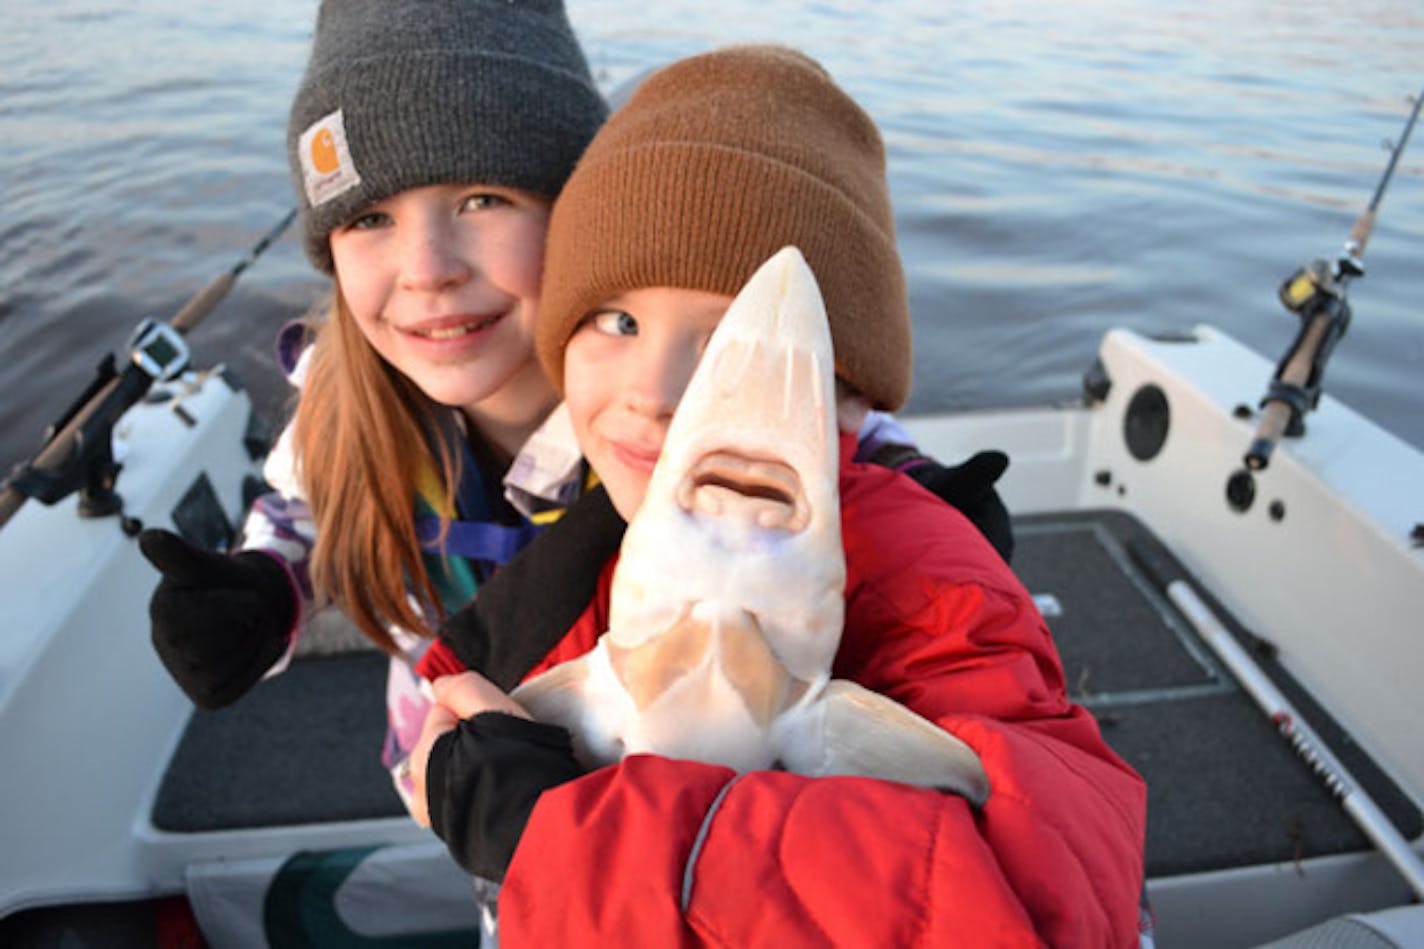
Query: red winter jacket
{"points": [[661, 852]]}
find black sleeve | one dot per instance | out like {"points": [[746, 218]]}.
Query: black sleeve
{"points": [[482, 782]]}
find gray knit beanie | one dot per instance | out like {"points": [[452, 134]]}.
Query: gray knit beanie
{"points": [[398, 95]]}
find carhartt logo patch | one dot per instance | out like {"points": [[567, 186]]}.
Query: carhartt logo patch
{"points": [[327, 169]]}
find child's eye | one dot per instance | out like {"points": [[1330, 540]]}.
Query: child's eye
{"points": [[368, 221], [484, 201], [614, 323]]}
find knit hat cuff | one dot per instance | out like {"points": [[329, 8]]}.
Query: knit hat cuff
{"points": [[480, 135], [399, 96]]}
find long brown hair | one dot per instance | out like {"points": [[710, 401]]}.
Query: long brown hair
{"points": [[363, 440]]}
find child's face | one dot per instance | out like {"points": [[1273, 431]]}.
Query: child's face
{"points": [[443, 281], [625, 369]]}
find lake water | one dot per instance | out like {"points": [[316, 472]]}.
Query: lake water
{"points": [[1057, 169]]}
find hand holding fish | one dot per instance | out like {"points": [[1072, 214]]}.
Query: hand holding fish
{"points": [[456, 698], [503, 758], [469, 693]]}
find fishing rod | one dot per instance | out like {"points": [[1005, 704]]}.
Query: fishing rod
{"points": [[1315, 293], [77, 454]]}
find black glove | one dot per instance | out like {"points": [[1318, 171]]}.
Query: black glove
{"points": [[968, 486], [482, 781], [219, 621]]}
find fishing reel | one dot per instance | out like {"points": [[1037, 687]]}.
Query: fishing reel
{"points": [[1316, 294], [1313, 286], [159, 350], [78, 452]]}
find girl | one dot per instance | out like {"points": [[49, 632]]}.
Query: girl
{"points": [[426, 141]]}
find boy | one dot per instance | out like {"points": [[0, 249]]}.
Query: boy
{"points": [[713, 165]]}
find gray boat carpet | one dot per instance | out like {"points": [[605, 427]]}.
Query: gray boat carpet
{"points": [[1224, 789], [301, 747]]}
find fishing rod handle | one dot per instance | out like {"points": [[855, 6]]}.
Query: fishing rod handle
{"points": [[202, 303], [57, 450], [1356, 802], [1276, 414], [206, 300], [11, 499], [1360, 233]]}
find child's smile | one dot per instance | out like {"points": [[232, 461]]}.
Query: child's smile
{"points": [[443, 282]]}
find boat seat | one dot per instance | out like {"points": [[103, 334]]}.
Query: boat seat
{"points": [[301, 747]]}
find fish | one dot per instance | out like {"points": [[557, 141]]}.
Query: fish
{"points": [[728, 599]]}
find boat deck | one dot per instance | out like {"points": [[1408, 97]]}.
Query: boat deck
{"points": [[1224, 790]]}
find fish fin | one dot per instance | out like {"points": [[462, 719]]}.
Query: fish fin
{"points": [[649, 669], [561, 696], [860, 732]]}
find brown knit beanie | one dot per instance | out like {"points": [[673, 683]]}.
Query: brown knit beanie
{"points": [[713, 165]]}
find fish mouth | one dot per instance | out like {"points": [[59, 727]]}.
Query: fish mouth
{"points": [[765, 492]]}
